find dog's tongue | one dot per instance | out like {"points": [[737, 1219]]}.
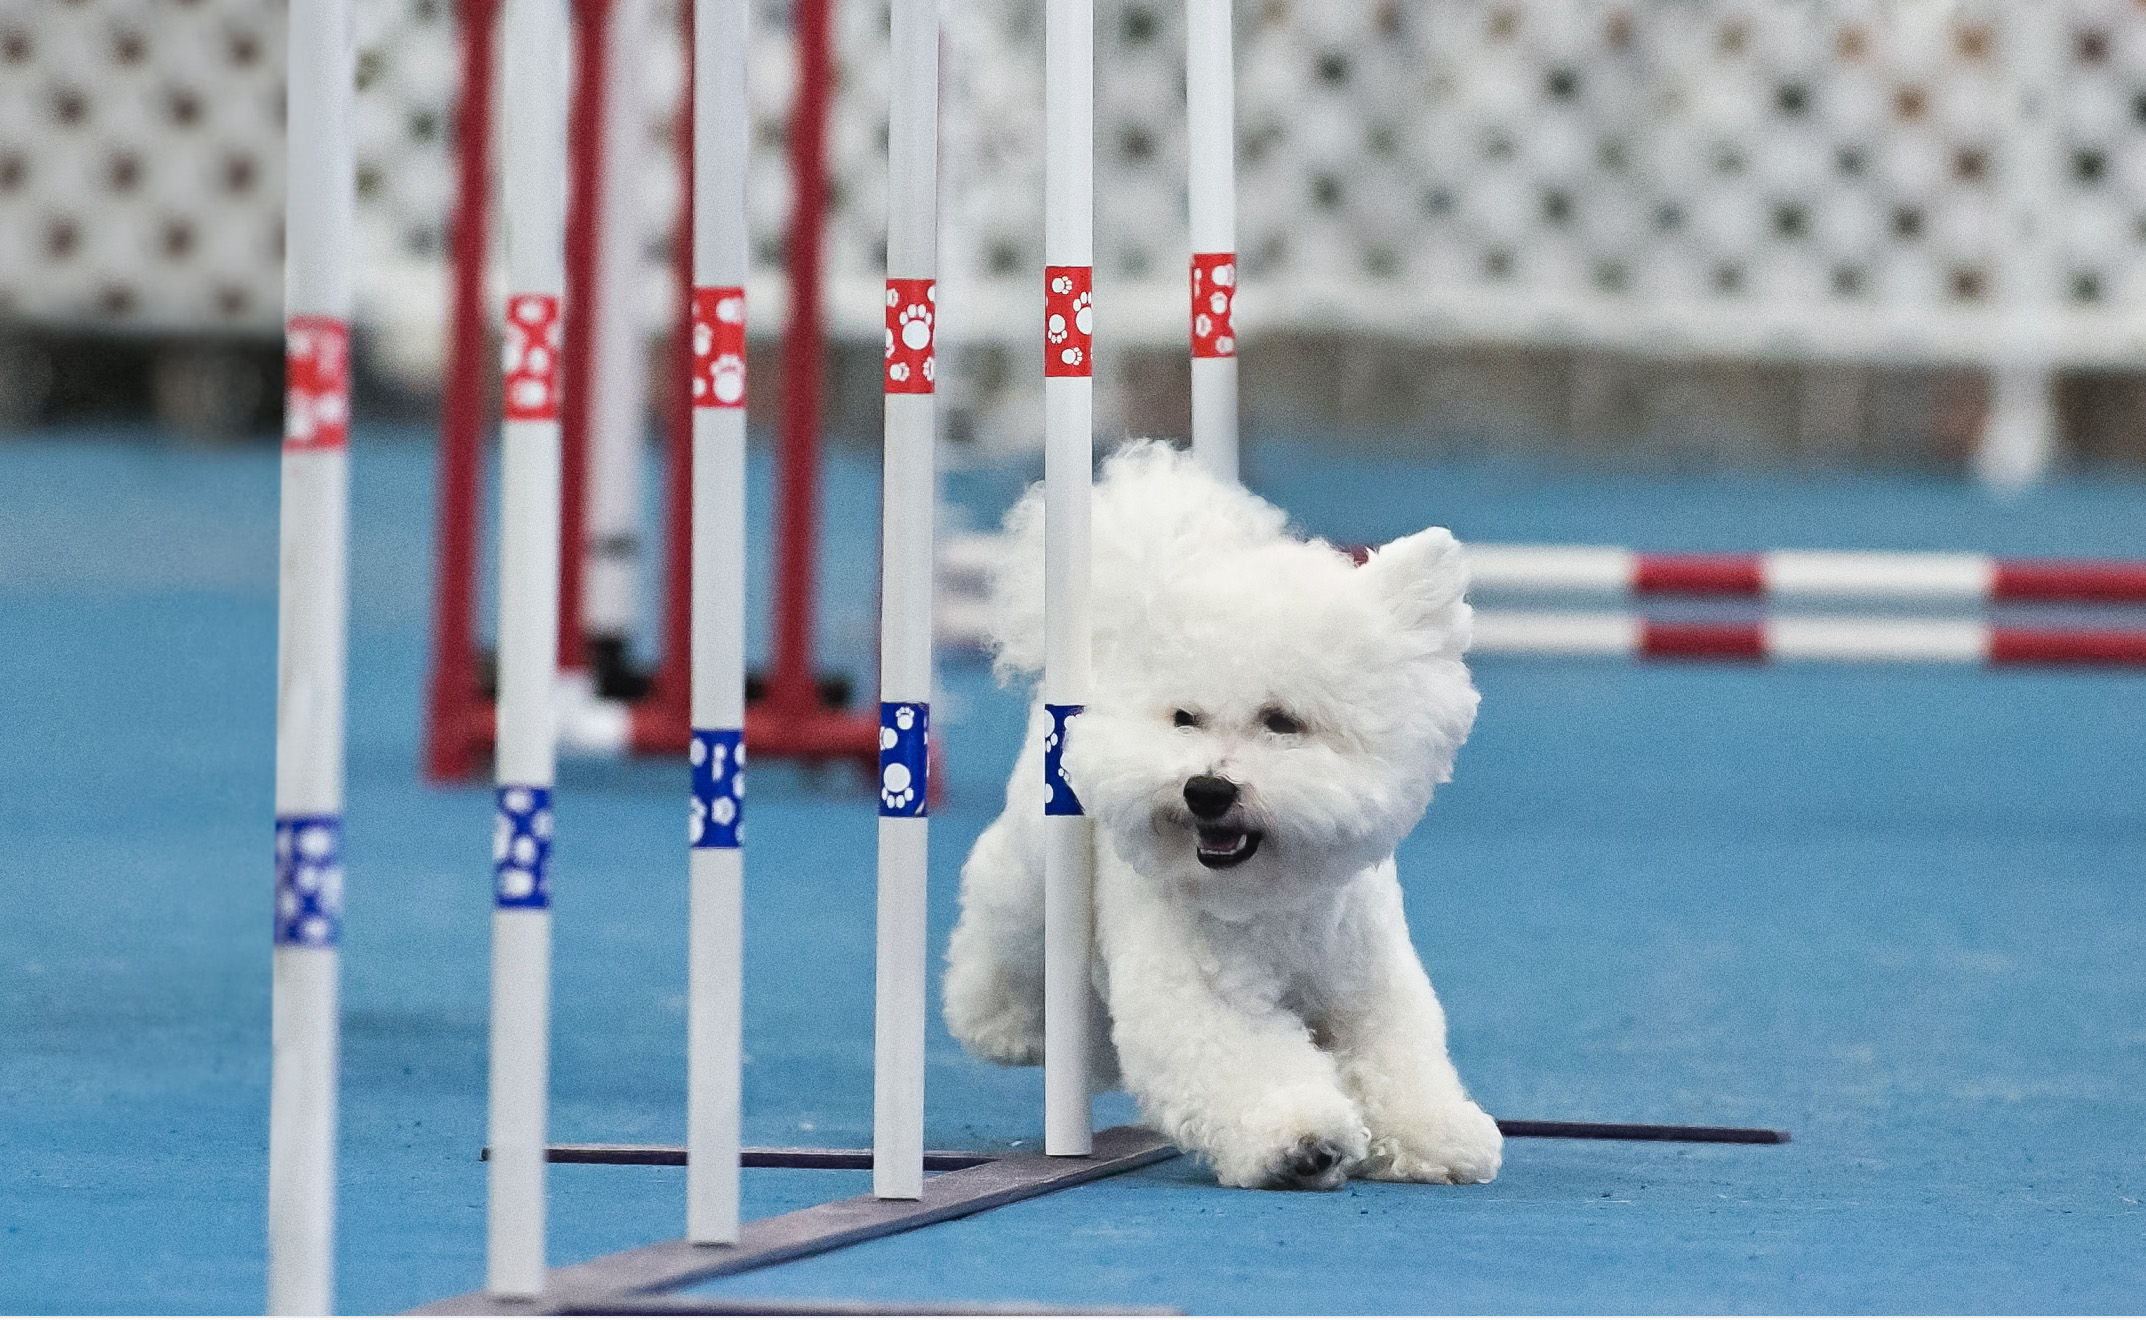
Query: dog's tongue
{"points": [[1220, 842]]}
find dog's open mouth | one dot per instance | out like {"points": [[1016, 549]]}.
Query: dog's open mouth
{"points": [[1221, 847]]}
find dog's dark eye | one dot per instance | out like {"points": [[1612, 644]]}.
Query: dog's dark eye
{"points": [[1280, 722], [1185, 719]]}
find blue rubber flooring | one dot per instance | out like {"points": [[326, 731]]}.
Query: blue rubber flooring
{"points": [[1899, 911]]}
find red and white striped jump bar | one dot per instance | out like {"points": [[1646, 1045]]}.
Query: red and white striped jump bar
{"points": [[1849, 640], [1806, 574]]}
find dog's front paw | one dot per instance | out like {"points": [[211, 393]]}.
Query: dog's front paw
{"points": [[1294, 1142], [1313, 1164], [1460, 1144], [995, 1015]]}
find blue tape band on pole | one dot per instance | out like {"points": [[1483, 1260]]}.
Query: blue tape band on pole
{"points": [[717, 817], [904, 758], [1060, 800], [309, 881], [521, 848]]}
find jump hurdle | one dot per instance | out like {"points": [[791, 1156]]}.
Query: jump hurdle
{"points": [[312, 618], [1836, 639], [1939, 578], [1799, 576]]}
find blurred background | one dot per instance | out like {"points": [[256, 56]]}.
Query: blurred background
{"points": [[1791, 232], [1681, 275]]}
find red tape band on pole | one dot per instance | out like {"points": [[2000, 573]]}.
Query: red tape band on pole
{"points": [[316, 402], [719, 348], [1214, 299], [1068, 321], [912, 322], [532, 352]]}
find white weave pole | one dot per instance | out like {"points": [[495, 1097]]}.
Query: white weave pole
{"points": [[618, 403], [716, 947], [2020, 430], [310, 637], [1211, 142], [909, 485], [533, 193], [1068, 461]]}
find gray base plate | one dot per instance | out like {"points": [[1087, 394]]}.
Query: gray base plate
{"points": [[610, 1283]]}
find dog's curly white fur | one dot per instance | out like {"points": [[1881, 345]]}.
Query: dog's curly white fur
{"points": [[1267, 722]]}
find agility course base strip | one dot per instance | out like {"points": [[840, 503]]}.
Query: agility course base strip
{"points": [[1818, 639], [609, 1281], [814, 1157], [792, 1306], [747, 1306], [976, 1181], [751, 1157], [1805, 574]]}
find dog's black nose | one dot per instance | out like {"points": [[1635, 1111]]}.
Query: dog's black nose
{"points": [[1209, 796]]}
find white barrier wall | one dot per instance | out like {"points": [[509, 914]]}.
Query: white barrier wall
{"points": [[1851, 179]]}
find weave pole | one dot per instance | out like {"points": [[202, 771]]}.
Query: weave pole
{"points": [[618, 395], [1211, 142], [1068, 470], [909, 487], [716, 945], [533, 191], [311, 618]]}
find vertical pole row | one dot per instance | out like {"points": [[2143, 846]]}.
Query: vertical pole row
{"points": [[533, 192], [716, 948], [311, 620], [905, 669], [1068, 459], [1211, 139]]}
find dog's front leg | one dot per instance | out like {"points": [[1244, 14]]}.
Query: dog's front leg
{"points": [[1231, 1077], [1388, 1034]]}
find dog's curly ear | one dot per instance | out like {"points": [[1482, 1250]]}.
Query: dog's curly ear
{"points": [[1423, 578]]}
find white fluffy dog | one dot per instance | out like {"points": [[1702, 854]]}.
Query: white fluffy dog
{"points": [[1267, 723]]}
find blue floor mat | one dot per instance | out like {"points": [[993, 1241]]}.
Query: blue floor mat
{"points": [[1898, 911]]}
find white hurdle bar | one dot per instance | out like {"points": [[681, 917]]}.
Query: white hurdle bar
{"points": [[533, 192], [715, 1013], [311, 619], [1938, 578], [909, 487], [1211, 196], [1068, 472], [1850, 639]]}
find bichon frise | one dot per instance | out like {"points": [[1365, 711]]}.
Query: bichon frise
{"points": [[1267, 722]]}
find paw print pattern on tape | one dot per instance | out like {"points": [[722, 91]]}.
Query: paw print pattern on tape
{"points": [[716, 818], [904, 758], [531, 392], [1059, 799], [1068, 321], [719, 348], [912, 314], [521, 848], [309, 881], [316, 390], [1214, 293]]}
